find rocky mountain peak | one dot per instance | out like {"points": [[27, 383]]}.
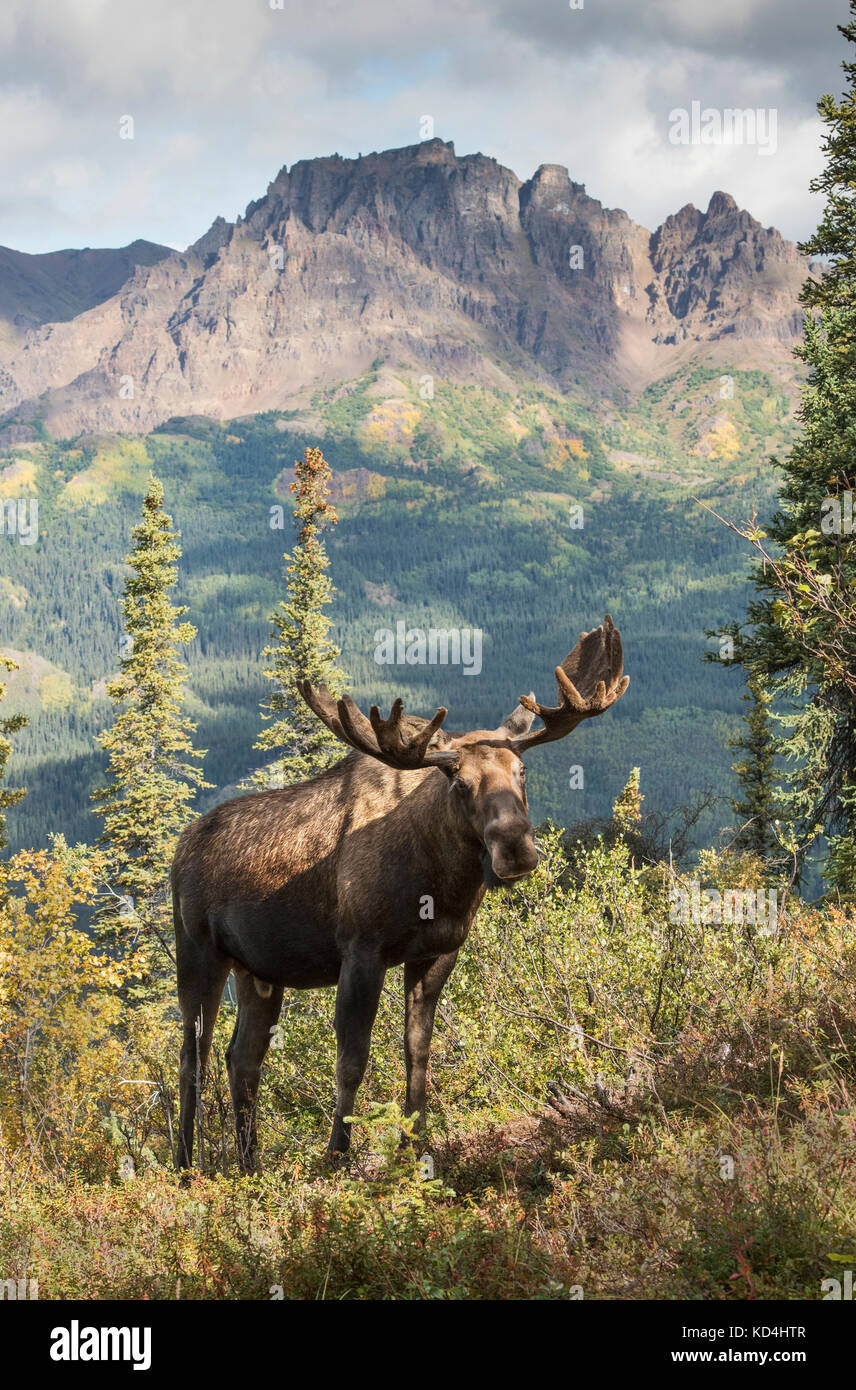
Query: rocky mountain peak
{"points": [[721, 204], [419, 256]]}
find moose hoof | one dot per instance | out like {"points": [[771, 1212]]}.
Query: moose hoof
{"points": [[336, 1155]]}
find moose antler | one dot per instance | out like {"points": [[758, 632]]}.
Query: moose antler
{"points": [[590, 680], [391, 741]]}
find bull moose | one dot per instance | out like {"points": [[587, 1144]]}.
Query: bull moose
{"points": [[381, 860]]}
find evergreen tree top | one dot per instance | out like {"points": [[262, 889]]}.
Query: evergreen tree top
{"points": [[835, 236], [301, 648], [152, 760]]}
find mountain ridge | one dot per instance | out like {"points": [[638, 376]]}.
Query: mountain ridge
{"points": [[442, 264], [54, 286]]}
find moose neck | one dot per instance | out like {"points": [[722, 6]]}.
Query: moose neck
{"points": [[448, 845]]}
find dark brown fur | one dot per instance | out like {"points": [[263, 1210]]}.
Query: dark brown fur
{"points": [[286, 886]]}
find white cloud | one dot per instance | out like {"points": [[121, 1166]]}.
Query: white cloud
{"points": [[224, 92]]}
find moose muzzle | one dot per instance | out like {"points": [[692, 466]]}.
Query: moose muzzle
{"points": [[510, 852]]}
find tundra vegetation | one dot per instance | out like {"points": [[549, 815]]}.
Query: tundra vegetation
{"points": [[621, 1105]]}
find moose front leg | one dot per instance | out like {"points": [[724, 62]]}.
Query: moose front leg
{"points": [[357, 997], [423, 982]]}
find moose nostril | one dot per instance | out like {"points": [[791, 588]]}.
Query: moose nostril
{"points": [[512, 858]]}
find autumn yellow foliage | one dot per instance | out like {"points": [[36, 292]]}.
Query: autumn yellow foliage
{"points": [[60, 1008]]}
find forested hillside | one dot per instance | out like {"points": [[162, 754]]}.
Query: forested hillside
{"points": [[525, 516]]}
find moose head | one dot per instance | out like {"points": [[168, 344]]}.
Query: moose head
{"points": [[484, 768]]}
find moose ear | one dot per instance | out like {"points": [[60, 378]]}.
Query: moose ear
{"points": [[518, 722], [451, 769]]}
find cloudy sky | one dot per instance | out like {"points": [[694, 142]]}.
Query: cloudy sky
{"points": [[224, 92]]}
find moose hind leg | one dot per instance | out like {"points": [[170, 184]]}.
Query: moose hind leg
{"points": [[423, 982], [200, 986], [257, 1016], [357, 997]]}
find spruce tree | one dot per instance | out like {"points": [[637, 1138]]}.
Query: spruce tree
{"points": [[301, 648], [757, 807], [152, 761], [800, 639], [627, 808], [8, 795]]}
